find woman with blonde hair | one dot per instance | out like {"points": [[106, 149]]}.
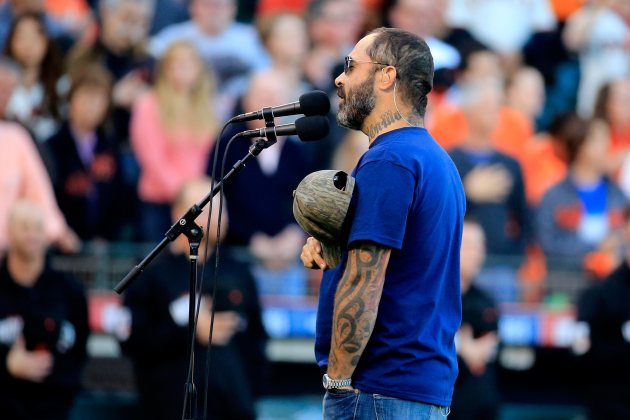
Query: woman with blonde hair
{"points": [[173, 128]]}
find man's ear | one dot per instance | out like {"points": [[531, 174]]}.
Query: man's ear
{"points": [[388, 77]]}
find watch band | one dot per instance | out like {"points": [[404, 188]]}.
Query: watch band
{"points": [[335, 383]]}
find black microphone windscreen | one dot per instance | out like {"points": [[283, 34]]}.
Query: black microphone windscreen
{"points": [[312, 128], [314, 103]]}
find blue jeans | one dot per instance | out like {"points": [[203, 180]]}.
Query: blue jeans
{"points": [[357, 405]]}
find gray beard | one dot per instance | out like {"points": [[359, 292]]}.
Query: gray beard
{"points": [[357, 105]]}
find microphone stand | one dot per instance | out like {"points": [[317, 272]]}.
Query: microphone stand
{"points": [[186, 225]]}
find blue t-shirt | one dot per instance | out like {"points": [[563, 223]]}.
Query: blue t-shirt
{"points": [[594, 225], [409, 197]]}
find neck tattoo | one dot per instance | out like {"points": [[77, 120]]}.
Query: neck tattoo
{"points": [[387, 119]]}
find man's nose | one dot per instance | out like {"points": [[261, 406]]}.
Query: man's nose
{"points": [[338, 81]]}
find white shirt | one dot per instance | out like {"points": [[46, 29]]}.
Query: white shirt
{"points": [[605, 57], [236, 51], [502, 25]]}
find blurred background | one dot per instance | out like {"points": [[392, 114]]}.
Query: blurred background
{"points": [[122, 102]]}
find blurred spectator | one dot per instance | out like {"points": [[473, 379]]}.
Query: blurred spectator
{"points": [[172, 131], [612, 106], [23, 176], [334, 26], [10, 9], [448, 123], [599, 32], [35, 102], [230, 48], [74, 16], [285, 37], [266, 8], [525, 92], [495, 193], [477, 67], [169, 12], [44, 325], [120, 48], [565, 8], [85, 160], [604, 307], [544, 161], [502, 25], [10, 76], [353, 145], [268, 230], [582, 213], [425, 18], [158, 302], [476, 395]]}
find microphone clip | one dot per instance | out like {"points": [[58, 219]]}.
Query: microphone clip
{"points": [[269, 122]]}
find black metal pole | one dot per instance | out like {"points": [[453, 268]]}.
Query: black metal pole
{"points": [[189, 217], [194, 234]]}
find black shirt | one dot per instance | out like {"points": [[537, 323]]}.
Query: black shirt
{"points": [[54, 316], [157, 344], [606, 308]]}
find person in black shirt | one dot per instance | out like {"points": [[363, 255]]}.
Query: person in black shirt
{"points": [[85, 160], [604, 308], [476, 394], [43, 326], [158, 303]]}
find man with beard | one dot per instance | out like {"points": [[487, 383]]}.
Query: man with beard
{"points": [[400, 256]]}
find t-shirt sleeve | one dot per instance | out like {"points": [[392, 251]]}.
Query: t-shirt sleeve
{"points": [[384, 194]]}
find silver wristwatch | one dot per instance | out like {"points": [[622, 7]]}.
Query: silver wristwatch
{"points": [[335, 383]]}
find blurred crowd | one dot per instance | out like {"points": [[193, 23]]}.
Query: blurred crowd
{"points": [[113, 105], [110, 108]]}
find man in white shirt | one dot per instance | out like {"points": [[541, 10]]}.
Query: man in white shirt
{"points": [[230, 48]]}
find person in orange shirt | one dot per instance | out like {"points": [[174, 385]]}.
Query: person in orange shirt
{"points": [[74, 15], [448, 122], [565, 8]]}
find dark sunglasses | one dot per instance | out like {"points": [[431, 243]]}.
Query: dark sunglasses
{"points": [[348, 60]]}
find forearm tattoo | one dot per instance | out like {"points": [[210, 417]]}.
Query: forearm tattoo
{"points": [[356, 306]]}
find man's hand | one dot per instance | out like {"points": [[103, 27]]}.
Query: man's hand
{"points": [[279, 251], [476, 352], [32, 366], [128, 89], [312, 254], [488, 184], [226, 324], [68, 242]]}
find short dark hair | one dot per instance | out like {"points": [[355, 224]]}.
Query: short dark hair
{"points": [[94, 77], [572, 131], [412, 58], [601, 101]]}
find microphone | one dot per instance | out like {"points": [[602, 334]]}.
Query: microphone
{"points": [[310, 103], [306, 128]]}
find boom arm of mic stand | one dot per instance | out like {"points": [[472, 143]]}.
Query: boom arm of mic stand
{"points": [[187, 221]]}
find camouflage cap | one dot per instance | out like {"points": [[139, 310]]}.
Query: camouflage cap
{"points": [[320, 204]]}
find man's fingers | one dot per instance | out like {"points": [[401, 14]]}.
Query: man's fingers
{"points": [[319, 261], [311, 255], [314, 245]]}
